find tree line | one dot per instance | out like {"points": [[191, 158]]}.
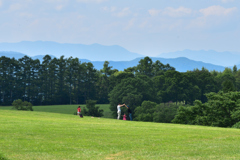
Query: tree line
{"points": [[68, 81]]}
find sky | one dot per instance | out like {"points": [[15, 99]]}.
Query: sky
{"points": [[147, 27]]}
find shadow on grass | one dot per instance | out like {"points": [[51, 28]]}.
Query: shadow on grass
{"points": [[2, 157]]}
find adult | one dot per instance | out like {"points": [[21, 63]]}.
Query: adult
{"points": [[78, 110], [129, 112], [119, 110]]}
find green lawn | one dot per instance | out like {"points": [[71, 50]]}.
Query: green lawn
{"points": [[66, 109], [44, 135]]}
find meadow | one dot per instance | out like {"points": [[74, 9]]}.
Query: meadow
{"points": [[45, 135], [65, 109]]}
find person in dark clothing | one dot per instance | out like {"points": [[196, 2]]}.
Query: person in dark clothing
{"points": [[129, 112]]}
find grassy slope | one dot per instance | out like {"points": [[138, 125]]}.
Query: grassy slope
{"points": [[66, 109], [39, 135]]}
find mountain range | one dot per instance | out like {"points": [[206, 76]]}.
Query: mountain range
{"points": [[118, 57], [93, 52], [181, 64], [218, 58]]}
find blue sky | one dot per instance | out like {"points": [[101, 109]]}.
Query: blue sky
{"points": [[148, 27]]}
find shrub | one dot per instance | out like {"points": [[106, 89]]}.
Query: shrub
{"points": [[92, 110], [20, 105], [165, 113], [237, 125]]}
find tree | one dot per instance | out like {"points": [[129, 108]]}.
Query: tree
{"points": [[228, 86], [145, 111], [138, 87], [92, 110], [221, 110], [145, 67], [205, 82], [20, 105], [61, 96], [89, 79], [165, 113], [173, 88], [103, 83]]}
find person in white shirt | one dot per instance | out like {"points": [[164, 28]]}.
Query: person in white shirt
{"points": [[119, 110]]}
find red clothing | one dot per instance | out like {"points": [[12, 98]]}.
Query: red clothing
{"points": [[79, 109], [124, 117]]}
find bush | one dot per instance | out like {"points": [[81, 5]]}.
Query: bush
{"points": [[237, 125], [221, 110], [20, 105], [92, 110], [165, 113]]}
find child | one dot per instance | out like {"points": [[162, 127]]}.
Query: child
{"points": [[124, 117], [79, 110]]}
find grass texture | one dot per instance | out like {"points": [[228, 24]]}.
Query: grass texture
{"points": [[26, 135], [66, 109]]}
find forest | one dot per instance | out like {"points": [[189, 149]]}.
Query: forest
{"points": [[56, 81]]}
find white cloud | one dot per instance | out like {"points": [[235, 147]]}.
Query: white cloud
{"points": [[179, 12], [59, 7], [15, 7], [109, 9], [172, 12], [217, 11], [91, 1], [26, 15], [226, 1], [124, 12], [130, 24], [153, 12]]}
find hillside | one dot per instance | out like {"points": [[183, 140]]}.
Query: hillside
{"points": [[38, 135]]}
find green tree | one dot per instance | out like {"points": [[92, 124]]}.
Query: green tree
{"points": [[165, 113], [129, 88], [20, 105], [228, 86], [145, 111], [92, 110], [145, 67], [221, 110], [103, 83], [89, 79]]}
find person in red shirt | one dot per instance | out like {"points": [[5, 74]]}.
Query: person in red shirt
{"points": [[79, 110]]}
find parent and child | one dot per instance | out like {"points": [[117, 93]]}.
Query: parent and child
{"points": [[124, 116]]}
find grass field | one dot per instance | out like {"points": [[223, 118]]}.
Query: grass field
{"points": [[66, 109], [40, 135]]}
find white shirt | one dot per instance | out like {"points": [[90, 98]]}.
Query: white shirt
{"points": [[119, 108]]}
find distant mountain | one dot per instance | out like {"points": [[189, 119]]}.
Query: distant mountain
{"points": [[18, 55], [181, 64], [213, 57], [94, 52], [15, 55]]}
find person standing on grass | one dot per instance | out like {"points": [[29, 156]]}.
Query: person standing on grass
{"points": [[79, 110], [119, 110], [124, 117], [129, 112]]}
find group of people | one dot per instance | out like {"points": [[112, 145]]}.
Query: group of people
{"points": [[118, 112], [124, 116]]}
